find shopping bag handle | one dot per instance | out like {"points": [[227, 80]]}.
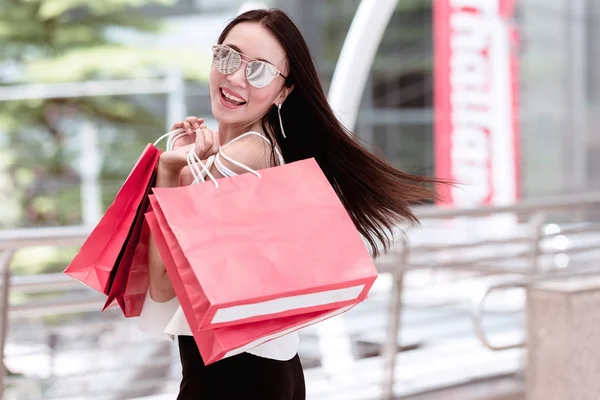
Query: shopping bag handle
{"points": [[172, 138], [193, 160]]}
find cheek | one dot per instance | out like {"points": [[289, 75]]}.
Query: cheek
{"points": [[214, 78], [262, 98]]}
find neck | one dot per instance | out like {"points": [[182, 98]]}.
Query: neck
{"points": [[228, 132]]}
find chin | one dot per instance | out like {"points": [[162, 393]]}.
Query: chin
{"points": [[230, 117], [223, 116]]}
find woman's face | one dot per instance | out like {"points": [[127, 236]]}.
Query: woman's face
{"points": [[233, 99]]}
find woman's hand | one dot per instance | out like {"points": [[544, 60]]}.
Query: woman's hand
{"points": [[188, 136], [196, 137]]}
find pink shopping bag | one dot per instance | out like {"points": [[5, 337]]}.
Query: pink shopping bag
{"points": [[259, 248], [218, 343]]}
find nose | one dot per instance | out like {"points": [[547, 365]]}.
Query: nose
{"points": [[238, 77]]}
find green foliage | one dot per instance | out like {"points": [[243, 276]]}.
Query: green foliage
{"points": [[52, 9], [54, 41], [42, 259]]}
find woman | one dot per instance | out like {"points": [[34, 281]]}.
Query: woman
{"points": [[263, 81]]}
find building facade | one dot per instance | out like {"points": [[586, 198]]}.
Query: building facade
{"points": [[559, 87]]}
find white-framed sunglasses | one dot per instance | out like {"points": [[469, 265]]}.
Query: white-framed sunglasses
{"points": [[259, 73]]}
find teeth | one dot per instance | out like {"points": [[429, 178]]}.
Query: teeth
{"points": [[231, 97]]}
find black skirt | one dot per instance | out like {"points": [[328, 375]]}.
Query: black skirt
{"points": [[244, 376]]}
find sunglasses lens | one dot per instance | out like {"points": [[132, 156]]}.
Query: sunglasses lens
{"points": [[225, 60], [260, 74]]}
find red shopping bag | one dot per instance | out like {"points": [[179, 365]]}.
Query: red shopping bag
{"points": [[218, 343], [97, 258], [129, 279], [131, 301], [275, 246]]}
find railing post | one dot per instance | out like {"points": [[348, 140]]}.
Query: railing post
{"points": [[5, 260], [394, 318], [536, 222]]}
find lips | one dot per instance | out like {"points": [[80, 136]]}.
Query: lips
{"points": [[231, 97]]}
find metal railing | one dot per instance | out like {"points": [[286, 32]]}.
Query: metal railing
{"points": [[521, 252], [88, 302], [524, 259], [522, 283]]}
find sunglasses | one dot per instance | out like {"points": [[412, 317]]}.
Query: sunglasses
{"points": [[259, 73]]}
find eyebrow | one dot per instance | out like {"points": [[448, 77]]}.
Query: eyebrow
{"points": [[233, 46]]}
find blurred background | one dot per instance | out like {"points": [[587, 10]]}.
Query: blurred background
{"points": [[86, 84]]}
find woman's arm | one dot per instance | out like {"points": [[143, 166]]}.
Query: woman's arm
{"points": [[169, 170], [161, 289]]}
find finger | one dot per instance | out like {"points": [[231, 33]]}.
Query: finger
{"points": [[208, 139], [200, 148], [188, 127], [191, 121], [177, 125], [195, 122], [199, 122]]}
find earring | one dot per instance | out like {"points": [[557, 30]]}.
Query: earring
{"points": [[280, 121]]}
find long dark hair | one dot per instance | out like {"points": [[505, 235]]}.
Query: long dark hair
{"points": [[376, 195]]}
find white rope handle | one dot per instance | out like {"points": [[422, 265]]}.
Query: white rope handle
{"points": [[194, 168], [172, 138], [193, 160], [192, 157]]}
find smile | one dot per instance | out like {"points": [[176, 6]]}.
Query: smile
{"points": [[231, 99]]}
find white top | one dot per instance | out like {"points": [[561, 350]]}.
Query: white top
{"points": [[168, 320]]}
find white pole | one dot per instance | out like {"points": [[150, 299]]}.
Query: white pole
{"points": [[252, 5], [577, 77], [91, 202], [352, 69], [503, 146], [176, 107], [504, 157]]}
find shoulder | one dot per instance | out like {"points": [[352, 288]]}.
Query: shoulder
{"points": [[251, 150]]}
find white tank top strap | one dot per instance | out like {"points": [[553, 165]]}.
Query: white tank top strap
{"points": [[226, 172]]}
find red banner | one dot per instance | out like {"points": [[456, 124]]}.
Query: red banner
{"points": [[476, 101]]}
